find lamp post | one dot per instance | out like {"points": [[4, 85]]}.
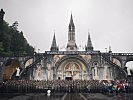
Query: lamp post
{"points": [[38, 50]]}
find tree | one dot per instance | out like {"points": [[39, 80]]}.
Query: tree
{"points": [[13, 42]]}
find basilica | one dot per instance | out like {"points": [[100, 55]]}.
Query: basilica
{"points": [[73, 64], [70, 64]]}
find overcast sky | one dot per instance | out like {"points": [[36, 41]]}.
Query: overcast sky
{"points": [[110, 22]]}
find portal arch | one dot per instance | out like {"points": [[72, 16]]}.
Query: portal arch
{"points": [[65, 68]]}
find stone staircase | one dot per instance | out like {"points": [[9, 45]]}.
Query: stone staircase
{"points": [[107, 59]]}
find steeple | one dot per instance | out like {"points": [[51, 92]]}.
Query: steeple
{"points": [[71, 45], [71, 21], [54, 45], [89, 46]]}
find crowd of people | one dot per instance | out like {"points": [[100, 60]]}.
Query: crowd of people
{"points": [[116, 86], [57, 86]]}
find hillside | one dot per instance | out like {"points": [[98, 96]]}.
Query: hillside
{"points": [[13, 42]]}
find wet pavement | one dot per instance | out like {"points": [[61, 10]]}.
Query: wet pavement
{"points": [[66, 96], [55, 96], [73, 96]]}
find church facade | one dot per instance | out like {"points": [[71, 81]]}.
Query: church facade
{"points": [[70, 64], [75, 65]]}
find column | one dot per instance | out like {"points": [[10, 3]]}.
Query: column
{"points": [[51, 76], [123, 62], [106, 72]]}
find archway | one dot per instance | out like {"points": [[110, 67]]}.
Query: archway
{"points": [[71, 68], [28, 62], [9, 68], [129, 66], [117, 62]]}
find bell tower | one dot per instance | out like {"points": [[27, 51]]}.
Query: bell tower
{"points": [[71, 45]]}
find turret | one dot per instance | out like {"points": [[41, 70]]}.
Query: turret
{"points": [[54, 45], [89, 46]]}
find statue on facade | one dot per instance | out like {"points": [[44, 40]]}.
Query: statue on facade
{"points": [[18, 72]]}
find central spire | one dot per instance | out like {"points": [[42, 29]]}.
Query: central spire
{"points": [[71, 45], [71, 21]]}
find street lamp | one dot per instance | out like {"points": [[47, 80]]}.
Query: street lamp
{"points": [[38, 50]]}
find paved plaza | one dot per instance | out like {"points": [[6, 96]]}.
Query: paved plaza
{"points": [[66, 96]]}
